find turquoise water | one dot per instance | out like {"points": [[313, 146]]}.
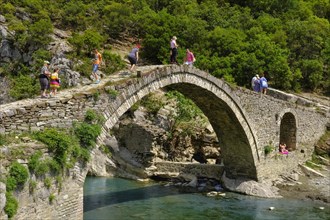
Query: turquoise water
{"points": [[115, 198]]}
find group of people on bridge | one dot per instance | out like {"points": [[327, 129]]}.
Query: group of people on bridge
{"points": [[48, 80], [259, 84]]}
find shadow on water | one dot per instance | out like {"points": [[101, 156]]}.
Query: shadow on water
{"points": [[111, 198]]}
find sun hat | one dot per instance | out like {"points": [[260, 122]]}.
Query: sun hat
{"points": [[46, 61], [174, 37]]}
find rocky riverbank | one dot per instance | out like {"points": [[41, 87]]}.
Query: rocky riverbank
{"points": [[304, 186]]}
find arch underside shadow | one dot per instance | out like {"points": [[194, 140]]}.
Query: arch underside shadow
{"points": [[288, 131], [235, 147], [237, 141]]}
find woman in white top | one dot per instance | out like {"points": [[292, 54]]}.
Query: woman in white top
{"points": [[174, 50]]}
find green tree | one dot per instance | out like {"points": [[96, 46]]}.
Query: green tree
{"points": [[87, 41], [39, 32]]}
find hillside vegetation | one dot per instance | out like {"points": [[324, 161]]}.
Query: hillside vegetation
{"points": [[231, 39]]}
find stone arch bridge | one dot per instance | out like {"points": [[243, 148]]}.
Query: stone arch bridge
{"points": [[245, 122]]}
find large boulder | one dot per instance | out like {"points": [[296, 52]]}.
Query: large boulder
{"points": [[250, 187]]}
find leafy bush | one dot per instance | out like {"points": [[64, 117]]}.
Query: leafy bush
{"points": [[187, 110], [32, 186], [268, 149], [113, 62], [93, 117], [23, 86], [152, 103], [11, 205], [51, 198], [48, 182], [17, 176], [11, 184], [57, 142], [34, 160], [41, 168], [87, 134], [112, 92]]}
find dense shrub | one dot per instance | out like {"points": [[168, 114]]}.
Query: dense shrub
{"points": [[23, 86], [152, 103], [11, 205], [17, 176], [34, 160], [87, 134], [113, 62], [57, 142]]}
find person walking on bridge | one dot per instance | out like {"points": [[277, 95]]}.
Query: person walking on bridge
{"points": [[44, 79], [133, 56], [96, 63], [190, 58]]}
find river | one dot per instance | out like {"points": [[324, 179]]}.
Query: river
{"points": [[116, 198]]}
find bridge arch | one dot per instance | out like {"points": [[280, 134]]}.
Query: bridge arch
{"points": [[288, 129], [215, 98]]}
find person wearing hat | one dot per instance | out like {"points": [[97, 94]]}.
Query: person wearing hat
{"points": [[133, 56], [43, 79], [174, 50], [255, 83]]}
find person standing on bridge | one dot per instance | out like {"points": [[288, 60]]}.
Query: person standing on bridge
{"points": [[43, 79], [263, 84], [96, 63], [54, 82], [255, 83], [133, 56], [190, 58], [174, 50]]}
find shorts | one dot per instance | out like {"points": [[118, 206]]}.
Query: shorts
{"points": [[95, 67], [44, 83], [132, 60]]}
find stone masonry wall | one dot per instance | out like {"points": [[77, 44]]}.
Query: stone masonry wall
{"points": [[266, 113], [199, 170], [68, 193]]}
